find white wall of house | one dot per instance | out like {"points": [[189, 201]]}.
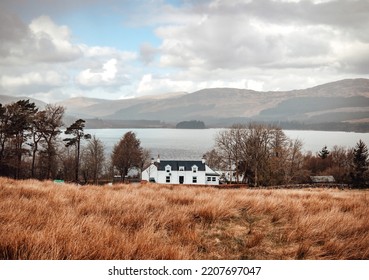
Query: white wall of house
{"points": [[211, 177], [150, 172], [168, 176], [189, 177]]}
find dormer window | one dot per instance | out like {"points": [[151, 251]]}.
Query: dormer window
{"points": [[168, 168], [181, 168], [194, 169]]}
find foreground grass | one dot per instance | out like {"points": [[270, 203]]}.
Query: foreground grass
{"points": [[41, 220]]}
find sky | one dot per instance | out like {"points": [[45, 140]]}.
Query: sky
{"points": [[114, 49]]}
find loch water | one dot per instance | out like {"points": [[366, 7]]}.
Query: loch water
{"points": [[193, 143]]}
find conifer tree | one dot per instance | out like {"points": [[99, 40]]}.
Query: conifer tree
{"points": [[76, 129], [361, 164], [323, 154]]}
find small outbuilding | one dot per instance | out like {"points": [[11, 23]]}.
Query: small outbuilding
{"points": [[322, 179]]}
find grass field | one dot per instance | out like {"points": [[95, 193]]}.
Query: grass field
{"points": [[43, 220]]}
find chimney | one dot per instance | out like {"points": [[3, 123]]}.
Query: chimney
{"points": [[152, 160], [158, 160], [203, 160]]}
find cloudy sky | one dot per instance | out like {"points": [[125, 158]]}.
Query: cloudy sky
{"points": [[52, 50]]}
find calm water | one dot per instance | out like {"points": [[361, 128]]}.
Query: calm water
{"points": [[193, 143]]}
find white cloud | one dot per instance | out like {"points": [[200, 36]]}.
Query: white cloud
{"points": [[150, 84], [105, 76], [38, 60], [52, 42], [103, 52]]}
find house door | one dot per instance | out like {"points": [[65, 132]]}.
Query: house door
{"points": [[181, 179]]}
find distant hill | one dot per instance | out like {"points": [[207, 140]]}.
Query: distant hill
{"points": [[342, 102], [6, 99], [94, 107]]}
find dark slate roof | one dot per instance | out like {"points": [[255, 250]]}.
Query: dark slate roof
{"points": [[175, 164], [212, 174]]}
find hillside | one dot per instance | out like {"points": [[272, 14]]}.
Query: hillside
{"points": [[6, 99], [351, 97], [43, 220], [343, 103]]}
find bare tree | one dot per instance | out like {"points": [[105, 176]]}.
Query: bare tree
{"points": [[257, 150], [145, 158], [259, 154], [93, 159], [341, 164], [67, 160], [214, 160], [295, 171]]}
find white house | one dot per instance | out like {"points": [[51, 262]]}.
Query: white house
{"points": [[180, 172]]}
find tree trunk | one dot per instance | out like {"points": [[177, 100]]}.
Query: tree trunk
{"points": [[256, 183], [34, 151], [77, 160]]}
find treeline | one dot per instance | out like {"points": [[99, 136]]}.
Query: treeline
{"points": [[32, 145], [28, 140], [262, 155], [325, 126]]}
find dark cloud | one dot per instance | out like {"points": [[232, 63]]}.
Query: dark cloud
{"points": [[12, 32], [41, 41], [204, 43], [265, 33], [343, 13]]}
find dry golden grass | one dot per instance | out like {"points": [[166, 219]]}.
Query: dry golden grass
{"points": [[42, 220]]}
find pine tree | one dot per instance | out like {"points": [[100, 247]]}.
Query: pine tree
{"points": [[361, 164], [323, 154], [76, 129]]}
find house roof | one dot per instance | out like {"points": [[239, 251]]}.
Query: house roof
{"points": [[322, 179], [212, 174], [175, 164]]}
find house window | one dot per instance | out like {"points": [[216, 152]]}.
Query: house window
{"points": [[194, 169], [208, 179], [168, 168], [214, 179], [167, 179], [194, 180], [181, 168]]}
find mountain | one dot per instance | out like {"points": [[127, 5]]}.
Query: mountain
{"points": [[346, 100], [6, 99], [99, 108], [344, 103]]}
